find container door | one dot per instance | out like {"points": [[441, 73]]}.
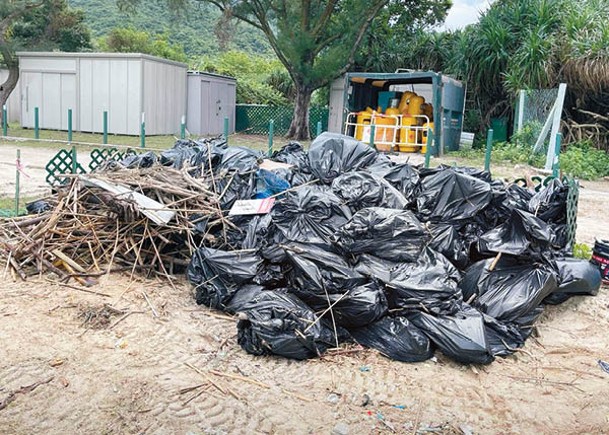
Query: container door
{"points": [[337, 106], [31, 96]]}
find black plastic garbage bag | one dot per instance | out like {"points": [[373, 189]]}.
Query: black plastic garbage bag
{"points": [[503, 338], [575, 277], [37, 207], [316, 271], [522, 235], [360, 189], [331, 155], [510, 290], [310, 214], [244, 297], [217, 274], [446, 240], [374, 267], [275, 323], [431, 282], [241, 159], [460, 336], [387, 233], [144, 160], [396, 338], [550, 203], [403, 177], [293, 154], [358, 306], [235, 187], [449, 196], [194, 153]]}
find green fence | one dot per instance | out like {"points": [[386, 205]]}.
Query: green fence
{"points": [[254, 118]]}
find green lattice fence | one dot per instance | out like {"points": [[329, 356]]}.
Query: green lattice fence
{"points": [[254, 118]]}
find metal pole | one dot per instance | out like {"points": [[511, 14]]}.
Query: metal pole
{"points": [[318, 128], [489, 148], [556, 163], [17, 166], [183, 127], [226, 129], [4, 121], [143, 131], [74, 159], [428, 147], [372, 134], [36, 123], [69, 125], [271, 131], [105, 122]]}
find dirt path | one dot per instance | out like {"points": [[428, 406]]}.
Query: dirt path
{"points": [[128, 376]]}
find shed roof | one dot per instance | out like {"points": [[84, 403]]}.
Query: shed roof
{"points": [[99, 56]]}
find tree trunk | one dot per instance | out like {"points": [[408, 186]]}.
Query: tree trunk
{"points": [[7, 87], [12, 62], [299, 128]]}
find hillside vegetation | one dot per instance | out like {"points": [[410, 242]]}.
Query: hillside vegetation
{"points": [[197, 28]]}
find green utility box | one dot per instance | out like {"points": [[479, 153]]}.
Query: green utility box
{"points": [[354, 92], [500, 129]]}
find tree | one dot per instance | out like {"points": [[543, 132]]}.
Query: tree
{"points": [[131, 40], [43, 24], [316, 40]]}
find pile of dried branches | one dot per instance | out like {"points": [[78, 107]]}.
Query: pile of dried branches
{"points": [[90, 231]]}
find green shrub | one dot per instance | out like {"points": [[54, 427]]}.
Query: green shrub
{"points": [[583, 161], [583, 251]]}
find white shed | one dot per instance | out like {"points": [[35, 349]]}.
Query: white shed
{"points": [[211, 98], [123, 84]]}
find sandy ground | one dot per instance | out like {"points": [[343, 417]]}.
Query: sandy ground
{"points": [[140, 356]]}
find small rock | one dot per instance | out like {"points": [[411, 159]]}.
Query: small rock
{"points": [[333, 398], [340, 429]]}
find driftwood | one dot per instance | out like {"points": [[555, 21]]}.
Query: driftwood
{"points": [[88, 226]]}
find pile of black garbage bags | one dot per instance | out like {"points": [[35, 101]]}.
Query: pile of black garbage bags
{"points": [[397, 258]]}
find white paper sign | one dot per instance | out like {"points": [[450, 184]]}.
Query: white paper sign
{"points": [[252, 206]]}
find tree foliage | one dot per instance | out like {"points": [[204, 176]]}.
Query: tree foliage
{"points": [[37, 25], [131, 40]]}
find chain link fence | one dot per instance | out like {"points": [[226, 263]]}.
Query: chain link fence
{"points": [[254, 119]]}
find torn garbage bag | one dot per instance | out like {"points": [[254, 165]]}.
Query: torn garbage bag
{"points": [[332, 154], [387, 233], [460, 336], [275, 323], [310, 214], [448, 196], [575, 277], [509, 291], [522, 235], [362, 189], [431, 282], [396, 338], [217, 274]]}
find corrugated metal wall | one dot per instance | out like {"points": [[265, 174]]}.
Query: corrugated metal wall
{"points": [[125, 85], [211, 98]]}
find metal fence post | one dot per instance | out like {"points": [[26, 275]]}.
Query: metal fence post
{"points": [[318, 128], [428, 147], [105, 123], [183, 127], [36, 123], [226, 129], [4, 121], [271, 131], [74, 159], [143, 131], [489, 149], [69, 125], [556, 163], [372, 134], [17, 166]]}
